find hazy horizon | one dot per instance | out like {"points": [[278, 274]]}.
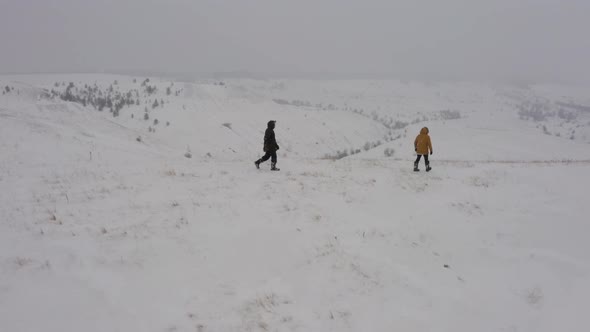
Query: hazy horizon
{"points": [[530, 41]]}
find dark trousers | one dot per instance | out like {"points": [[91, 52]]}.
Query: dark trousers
{"points": [[269, 154], [425, 159]]}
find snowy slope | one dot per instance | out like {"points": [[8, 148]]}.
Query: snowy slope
{"points": [[100, 231]]}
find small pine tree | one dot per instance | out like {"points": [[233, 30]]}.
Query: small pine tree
{"points": [[146, 116], [389, 152], [155, 104]]}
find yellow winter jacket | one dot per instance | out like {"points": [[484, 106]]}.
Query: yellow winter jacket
{"points": [[422, 142]]}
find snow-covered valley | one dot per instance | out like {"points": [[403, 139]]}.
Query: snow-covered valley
{"points": [[125, 223]]}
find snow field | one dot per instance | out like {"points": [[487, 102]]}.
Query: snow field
{"points": [[101, 232]]}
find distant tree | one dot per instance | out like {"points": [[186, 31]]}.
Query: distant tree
{"points": [[119, 105], [146, 116], [168, 91], [156, 122], [155, 104], [101, 103], [388, 152]]}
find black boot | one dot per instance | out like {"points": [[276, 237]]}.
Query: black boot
{"points": [[428, 168], [273, 167], [257, 163], [416, 167]]}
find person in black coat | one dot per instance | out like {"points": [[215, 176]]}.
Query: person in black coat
{"points": [[270, 147]]}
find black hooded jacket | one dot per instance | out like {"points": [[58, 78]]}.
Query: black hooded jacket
{"points": [[270, 143]]}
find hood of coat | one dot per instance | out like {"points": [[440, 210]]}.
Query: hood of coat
{"points": [[424, 131], [271, 124]]}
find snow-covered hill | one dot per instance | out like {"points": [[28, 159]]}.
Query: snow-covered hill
{"points": [[106, 225]]}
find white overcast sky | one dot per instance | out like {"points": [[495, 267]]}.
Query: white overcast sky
{"points": [[543, 40]]}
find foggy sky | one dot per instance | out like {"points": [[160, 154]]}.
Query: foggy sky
{"points": [[538, 40]]}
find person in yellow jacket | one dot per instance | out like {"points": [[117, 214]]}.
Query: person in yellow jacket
{"points": [[422, 146]]}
